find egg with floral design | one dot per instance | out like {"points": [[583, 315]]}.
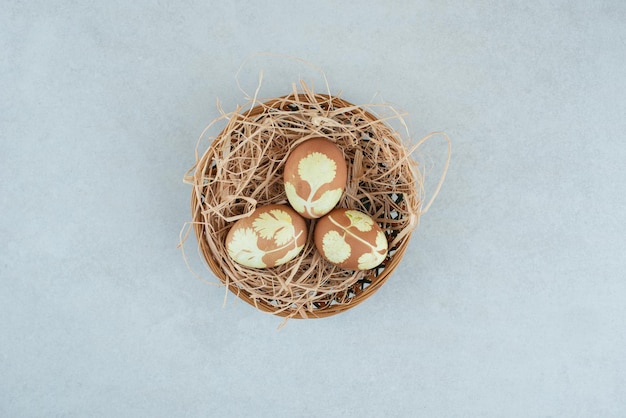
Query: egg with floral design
{"points": [[272, 235], [350, 239], [315, 177]]}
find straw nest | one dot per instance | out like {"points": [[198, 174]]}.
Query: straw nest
{"points": [[242, 169]]}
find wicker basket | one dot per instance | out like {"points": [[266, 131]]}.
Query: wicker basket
{"points": [[382, 181]]}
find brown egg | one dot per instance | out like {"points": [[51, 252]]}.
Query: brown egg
{"points": [[315, 177], [272, 235], [350, 239]]}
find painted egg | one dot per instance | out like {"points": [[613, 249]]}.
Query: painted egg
{"points": [[315, 177], [350, 239], [272, 235]]}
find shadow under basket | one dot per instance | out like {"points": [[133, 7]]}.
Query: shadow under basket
{"points": [[242, 169]]}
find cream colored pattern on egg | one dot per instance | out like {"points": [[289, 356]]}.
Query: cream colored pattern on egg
{"points": [[317, 170], [335, 247], [275, 224], [376, 255], [360, 221], [244, 248]]}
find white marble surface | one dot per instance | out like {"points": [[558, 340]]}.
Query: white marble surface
{"points": [[511, 298]]}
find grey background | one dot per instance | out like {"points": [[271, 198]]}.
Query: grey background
{"points": [[509, 302]]}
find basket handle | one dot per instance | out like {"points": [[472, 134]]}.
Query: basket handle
{"points": [[445, 168]]}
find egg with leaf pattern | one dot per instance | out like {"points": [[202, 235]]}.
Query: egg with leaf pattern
{"points": [[315, 177], [272, 235], [350, 239]]}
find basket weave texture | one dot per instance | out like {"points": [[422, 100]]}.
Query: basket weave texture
{"points": [[242, 169]]}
